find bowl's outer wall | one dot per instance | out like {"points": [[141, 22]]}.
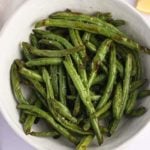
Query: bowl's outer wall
{"points": [[18, 28]]}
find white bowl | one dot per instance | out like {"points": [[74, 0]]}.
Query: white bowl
{"points": [[17, 29]]}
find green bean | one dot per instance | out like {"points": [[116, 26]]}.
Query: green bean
{"points": [[53, 53], [91, 46], [26, 53], [104, 68], [50, 120], [77, 106], [26, 112], [15, 84], [82, 53], [105, 115], [73, 37], [45, 134], [95, 40], [117, 22], [117, 101], [86, 37], [93, 97], [84, 142], [71, 86], [126, 84], [99, 79], [30, 120], [33, 40], [69, 125], [40, 98], [38, 86], [137, 84], [51, 43], [62, 85], [84, 97], [96, 26], [103, 15], [144, 93], [22, 117], [99, 57], [138, 112], [63, 41], [62, 110], [49, 88], [54, 79], [120, 68], [131, 102], [114, 126], [103, 109], [43, 61], [87, 125], [51, 36], [30, 74], [138, 63], [111, 78]]}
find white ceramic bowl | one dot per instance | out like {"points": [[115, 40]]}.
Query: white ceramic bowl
{"points": [[17, 29]]}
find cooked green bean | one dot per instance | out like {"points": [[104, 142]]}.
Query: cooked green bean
{"points": [[114, 126], [105, 115], [84, 142], [126, 84], [54, 79], [104, 15], [50, 120], [91, 46], [30, 74], [117, 22], [103, 109], [38, 87], [117, 101], [49, 88], [96, 26], [33, 40], [144, 93], [22, 117], [51, 43], [30, 120], [72, 89], [120, 69], [66, 43], [83, 95], [138, 112], [86, 37], [62, 85], [15, 84], [45, 134], [62, 110], [99, 79], [77, 106], [111, 78], [131, 102], [52, 53], [99, 57], [43, 61], [137, 84]]}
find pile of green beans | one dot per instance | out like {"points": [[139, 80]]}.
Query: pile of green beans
{"points": [[83, 76]]}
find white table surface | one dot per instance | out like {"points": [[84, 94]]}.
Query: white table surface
{"points": [[8, 138]]}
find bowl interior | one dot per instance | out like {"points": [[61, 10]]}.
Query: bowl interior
{"points": [[18, 29]]}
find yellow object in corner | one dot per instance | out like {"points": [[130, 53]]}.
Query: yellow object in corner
{"points": [[143, 5]]}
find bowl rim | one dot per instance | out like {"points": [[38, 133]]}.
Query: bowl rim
{"points": [[4, 113]]}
